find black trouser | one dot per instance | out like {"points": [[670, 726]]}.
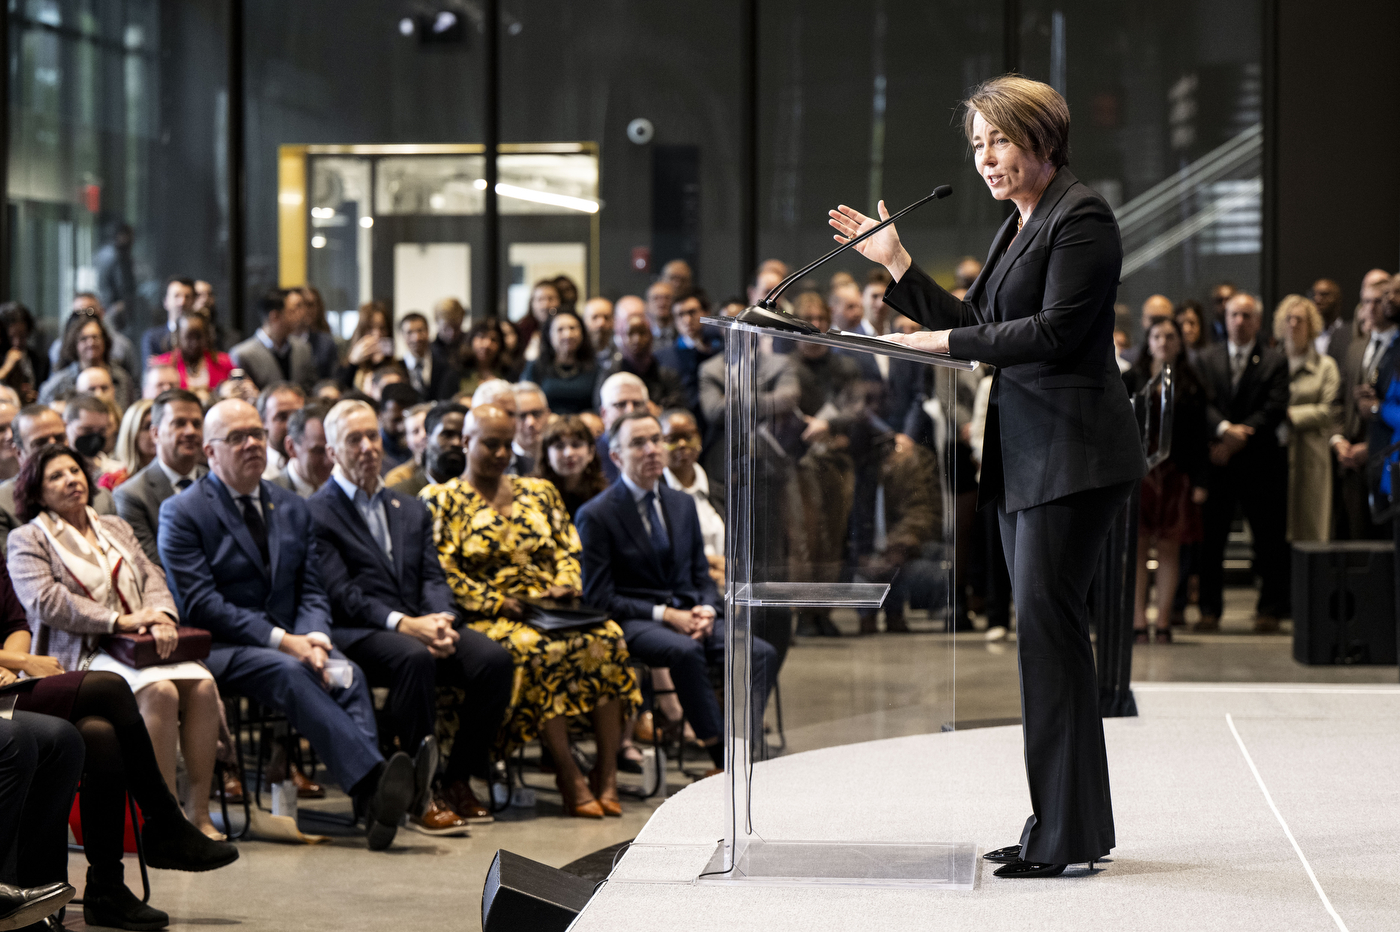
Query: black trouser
{"points": [[120, 760], [41, 759], [1053, 552], [481, 668], [1260, 486]]}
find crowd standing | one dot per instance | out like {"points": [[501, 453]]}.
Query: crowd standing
{"points": [[519, 528]]}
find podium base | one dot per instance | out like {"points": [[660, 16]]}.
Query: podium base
{"points": [[938, 865]]}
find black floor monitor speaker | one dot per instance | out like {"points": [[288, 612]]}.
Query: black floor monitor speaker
{"points": [[1344, 602], [522, 895]]}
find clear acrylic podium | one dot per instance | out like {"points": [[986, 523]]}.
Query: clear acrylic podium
{"points": [[839, 519]]}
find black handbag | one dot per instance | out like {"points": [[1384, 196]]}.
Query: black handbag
{"points": [[548, 615]]}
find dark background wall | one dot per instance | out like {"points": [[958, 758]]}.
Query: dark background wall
{"points": [[1333, 188]]}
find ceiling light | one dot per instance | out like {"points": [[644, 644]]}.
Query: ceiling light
{"points": [[437, 202], [444, 21], [318, 241], [406, 26], [544, 197], [366, 222]]}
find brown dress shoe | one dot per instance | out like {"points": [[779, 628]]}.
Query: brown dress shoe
{"points": [[437, 819], [460, 799], [644, 732], [305, 788], [588, 808], [1265, 624], [1207, 623], [233, 787]]}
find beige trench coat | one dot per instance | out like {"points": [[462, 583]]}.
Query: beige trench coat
{"points": [[1314, 413]]}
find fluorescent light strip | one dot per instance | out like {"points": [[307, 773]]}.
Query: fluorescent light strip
{"points": [[541, 197]]}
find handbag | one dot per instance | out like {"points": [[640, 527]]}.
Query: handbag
{"points": [[139, 650], [551, 616]]}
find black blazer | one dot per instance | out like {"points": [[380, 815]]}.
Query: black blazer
{"points": [[362, 583], [624, 574], [1260, 401], [1041, 312]]}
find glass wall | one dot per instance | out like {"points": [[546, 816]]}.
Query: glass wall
{"points": [[116, 120]]}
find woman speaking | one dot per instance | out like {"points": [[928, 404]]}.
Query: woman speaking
{"points": [[1061, 450]]}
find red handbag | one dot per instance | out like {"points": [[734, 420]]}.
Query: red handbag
{"points": [[139, 650]]}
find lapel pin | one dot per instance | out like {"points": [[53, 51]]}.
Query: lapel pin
{"points": [[394, 502], [1255, 360], [270, 506]]}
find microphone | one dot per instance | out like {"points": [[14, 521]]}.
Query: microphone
{"points": [[764, 315]]}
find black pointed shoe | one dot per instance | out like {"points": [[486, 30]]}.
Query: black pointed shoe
{"points": [[1008, 855], [22, 906], [172, 843], [1019, 868]]}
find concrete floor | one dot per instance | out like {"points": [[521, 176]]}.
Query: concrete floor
{"points": [[835, 691]]}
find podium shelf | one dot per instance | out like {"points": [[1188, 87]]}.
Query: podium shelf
{"points": [[942, 865], [812, 595]]}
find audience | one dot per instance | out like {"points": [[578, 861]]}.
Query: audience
{"points": [[450, 345], [175, 423], [87, 423], [619, 395], [393, 614], [681, 436], [660, 297], [135, 446], [1248, 382], [506, 543], [693, 345], [569, 461], [39, 426], [544, 304], [177, 301], [78, 574], [395, 400], [371, 346], [644, 564], [88, 305], [1334, 336], [17, 324], [157, 379], [634, 356], [598, 321], [270, 355], [1169, 512], [86, 344], [431, 373], [201, 368], [677, 273], [276, 404], [314, 330], [262, 601], [9, 455], [531, 415], [443, 456], [1314, 411], [308, 458], [1365, 359], [486, 359], [566, 368]]}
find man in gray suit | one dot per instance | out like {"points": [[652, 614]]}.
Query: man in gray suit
{"points": [[308, 464], [177, 424], [270, 355], [35, 427]]}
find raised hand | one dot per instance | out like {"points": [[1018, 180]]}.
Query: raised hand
{"points": [[884, 247]]}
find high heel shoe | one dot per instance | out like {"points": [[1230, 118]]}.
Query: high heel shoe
{"points": [[608, 800], [590, 809], [1029, 869], [1008, 855]]}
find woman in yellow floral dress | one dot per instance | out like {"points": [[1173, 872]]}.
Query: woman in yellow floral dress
{"points": [[506, 540]]}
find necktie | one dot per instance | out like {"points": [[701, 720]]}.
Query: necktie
{"points": [[1237, 369], [1372, 361], [374, 517], [182, 484], [252, 516], [660, 541]]}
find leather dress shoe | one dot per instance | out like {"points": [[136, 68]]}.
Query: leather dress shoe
{"points": [[386, 806], [425, 764], [1019, 868], [306, 789], [22, 906], [1008, 855], [437, 819], [460, 799], [232, 785]]}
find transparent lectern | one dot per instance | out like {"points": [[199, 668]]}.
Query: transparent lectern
{"points": [[839, 476]]}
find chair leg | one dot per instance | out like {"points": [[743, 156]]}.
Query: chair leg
{"points": [[778, 711], [140, 851]]}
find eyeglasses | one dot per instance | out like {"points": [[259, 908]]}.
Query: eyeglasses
{"points": [[237, 438], [684, 440]]}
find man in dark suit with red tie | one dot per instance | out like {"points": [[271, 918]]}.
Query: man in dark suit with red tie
{"points": [[1248, 382], [393, 614]]}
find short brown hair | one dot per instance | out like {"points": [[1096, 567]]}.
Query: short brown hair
{"points": [[1031, 114]]}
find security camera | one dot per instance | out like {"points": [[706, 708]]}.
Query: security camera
{"points": [[640, 131]]}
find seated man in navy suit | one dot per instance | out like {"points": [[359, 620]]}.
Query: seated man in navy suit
{"points": [[644, 562], [240, 559], [393, 614]]}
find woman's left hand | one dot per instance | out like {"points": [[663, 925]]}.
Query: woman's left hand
{"points": [[562, 592], [7, 677], [935, 341]]}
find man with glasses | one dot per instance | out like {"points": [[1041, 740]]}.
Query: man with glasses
{"points": [[644, 563], [9, 455], [531, 416], [620, 394], [239, 556], [35, 427]]}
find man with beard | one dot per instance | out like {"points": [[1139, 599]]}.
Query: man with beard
{"points": [[443, 457]]}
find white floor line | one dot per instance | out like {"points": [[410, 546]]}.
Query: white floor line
{"points": [[1229, 720], [1377, 690]]}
